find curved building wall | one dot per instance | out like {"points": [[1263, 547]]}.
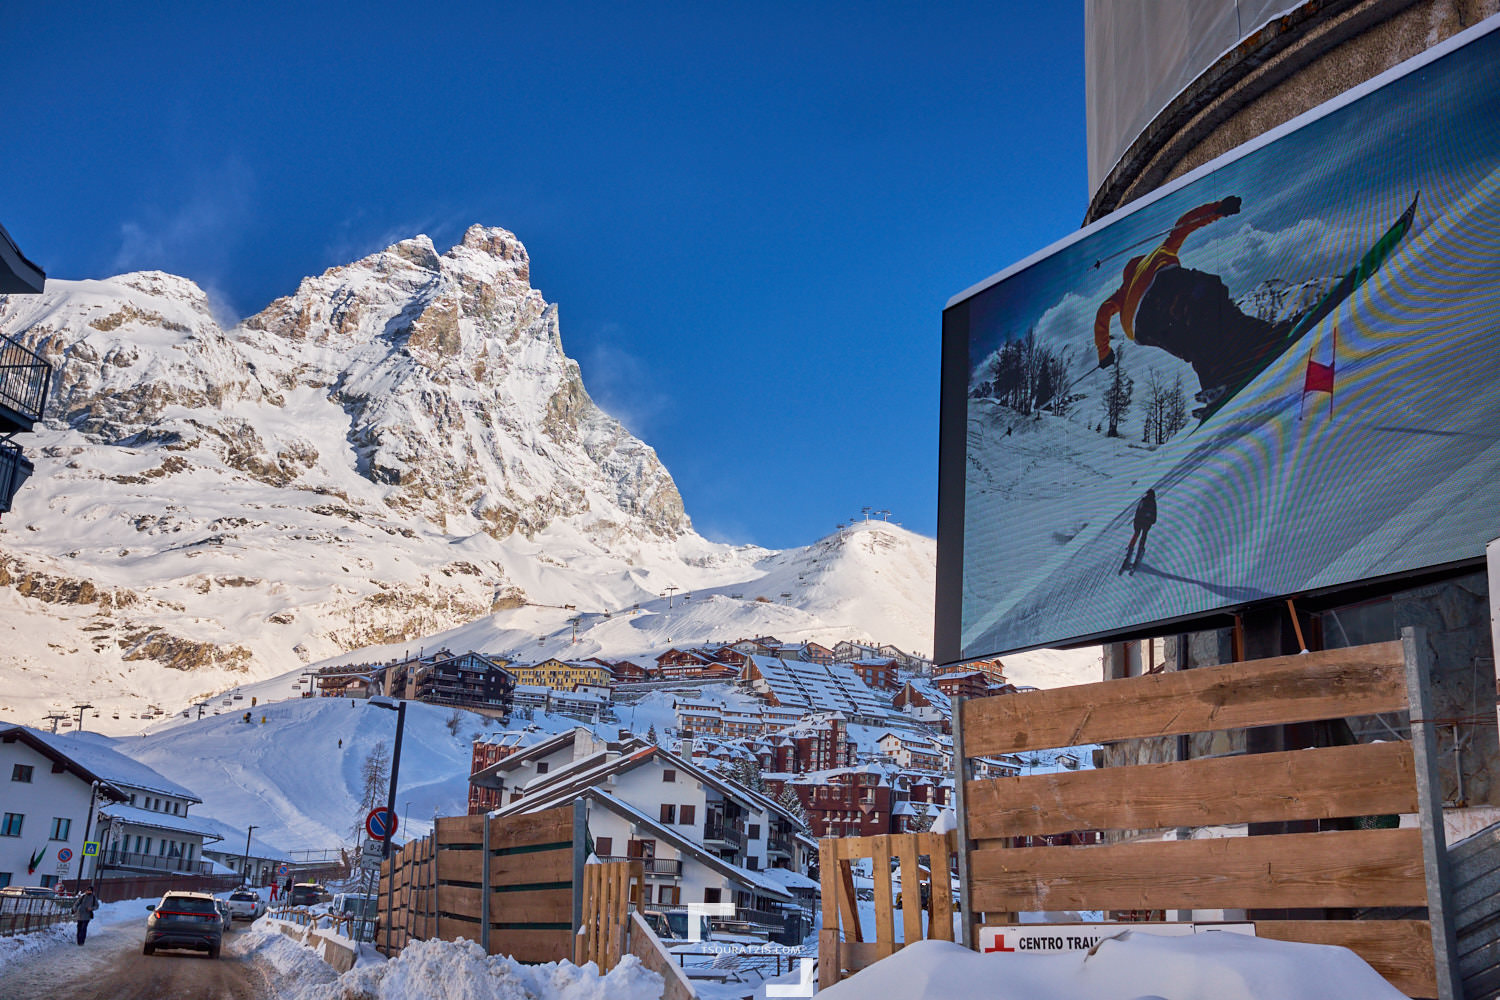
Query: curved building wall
{"points": [[1174, 83]]}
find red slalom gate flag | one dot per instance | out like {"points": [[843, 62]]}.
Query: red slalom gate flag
{"points": [[1319, 376]]}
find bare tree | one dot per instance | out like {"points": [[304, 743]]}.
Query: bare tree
{"points": [[374, 783]]}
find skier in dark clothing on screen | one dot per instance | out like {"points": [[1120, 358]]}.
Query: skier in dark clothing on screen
{"points": [[1185, 312], [1145, 517]]}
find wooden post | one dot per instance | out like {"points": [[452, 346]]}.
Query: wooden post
{"points": [[1440, 900], [960, 814], [911, 887], [828, 938], [885, 917], [484, 889]]}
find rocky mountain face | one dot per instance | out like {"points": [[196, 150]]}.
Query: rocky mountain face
{"points": [[399, 446]]}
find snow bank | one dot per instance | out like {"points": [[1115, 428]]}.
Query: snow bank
{"points": [[453, 970], [1141, 966], [20, 945]]}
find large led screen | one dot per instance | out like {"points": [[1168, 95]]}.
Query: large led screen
{"points": [[1280, 375]]}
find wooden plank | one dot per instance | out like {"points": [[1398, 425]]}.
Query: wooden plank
{"points": [[1400, 950], [848, 911], [646, 946], [911, 887], [1330, 684], [452, 928], [534, 906], [885, 916], [862, 955], [554, 826], [611, 900], [938, 846], [449, 830], [459, 901], [830, 960], [828, 937], [1349, 868], [533, 945], [533, 868], [1328, 782]]}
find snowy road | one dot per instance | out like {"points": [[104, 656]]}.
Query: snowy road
{"points": [[110, 966]]}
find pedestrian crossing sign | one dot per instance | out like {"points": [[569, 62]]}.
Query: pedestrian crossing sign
{"points": [[90, 848]]}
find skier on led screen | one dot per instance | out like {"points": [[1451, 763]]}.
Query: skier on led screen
{"points": [[1189, 314]]}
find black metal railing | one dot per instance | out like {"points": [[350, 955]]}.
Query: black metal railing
{"points": [[155, 862], [724, 833], [670, 867], [779, 845], [20, 914], [15, 469], [24, 380]]}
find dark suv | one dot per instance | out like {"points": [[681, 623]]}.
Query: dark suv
{"points": [[307, 893], [185, 920]]}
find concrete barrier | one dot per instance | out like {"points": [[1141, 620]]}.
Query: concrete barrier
{"points": [[327, 946]]}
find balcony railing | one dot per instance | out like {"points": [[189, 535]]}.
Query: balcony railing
{"points": [[24, 380], [661, 867], [723, 833], [155, 862], [779, 845], [15, 469]]}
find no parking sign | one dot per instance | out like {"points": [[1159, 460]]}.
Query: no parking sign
{"points": [[64, 855]]}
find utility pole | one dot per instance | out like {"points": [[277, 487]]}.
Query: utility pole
{"points": [[245, 862], [574, 621], [81, 708], [670, 592]]}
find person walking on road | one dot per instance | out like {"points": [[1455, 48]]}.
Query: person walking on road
{"points": [[1145, 517], [83, 912]]}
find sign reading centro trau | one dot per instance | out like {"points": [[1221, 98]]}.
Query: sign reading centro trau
{"points": [[1055, 939]]}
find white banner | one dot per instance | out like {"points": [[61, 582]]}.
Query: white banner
{"points": [[1054, 939]]}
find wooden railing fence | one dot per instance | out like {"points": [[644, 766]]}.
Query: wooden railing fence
{"points": [[1329, 868], [610, 891], [842, 948]]}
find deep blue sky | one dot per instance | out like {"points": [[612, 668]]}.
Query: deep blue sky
{"points": [[750, 216]]}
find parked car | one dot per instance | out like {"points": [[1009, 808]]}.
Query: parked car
{"points": [[30, 891], [185, 920], [246, 905], [308, 893]]}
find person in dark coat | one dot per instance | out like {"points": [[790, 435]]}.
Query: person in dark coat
{"points": [[83, 912], [1145, 517]]}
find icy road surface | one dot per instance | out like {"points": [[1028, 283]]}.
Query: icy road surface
{"points": [[110, 965]]}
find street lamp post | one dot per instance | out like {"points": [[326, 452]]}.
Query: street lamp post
{"points": [[245, 861]]}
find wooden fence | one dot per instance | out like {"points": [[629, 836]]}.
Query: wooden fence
{"points": [[506, 882], [841, 955], [1331, 868], [610, 891]]}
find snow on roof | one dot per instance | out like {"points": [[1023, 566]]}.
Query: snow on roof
{"points": [[160, 820], [91, 750], [789, 878], [819, 687]]}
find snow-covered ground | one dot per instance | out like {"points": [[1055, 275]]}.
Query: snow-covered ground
{"points": [[1128, 967]]}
